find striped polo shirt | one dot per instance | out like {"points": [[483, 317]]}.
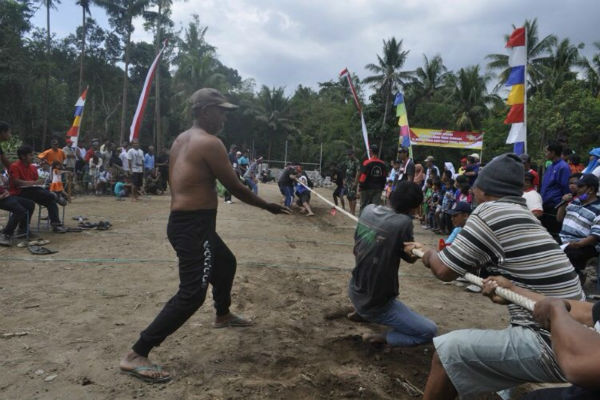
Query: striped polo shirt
{"points": [[508, 240], [581, 221]]}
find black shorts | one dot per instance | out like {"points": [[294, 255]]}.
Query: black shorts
{"points": [[137, 179], [339, 191], [303, 198]]}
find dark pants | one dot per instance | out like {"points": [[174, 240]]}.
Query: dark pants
{"points": [[370, 196], [45, 198], [203, 259], [19, 207], [580, 256], [550, 223], [563, 393]]}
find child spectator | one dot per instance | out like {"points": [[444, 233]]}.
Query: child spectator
{"points": [[121, 190], [463, 192], [103, 180], [532, 197], [426, 199], [448, 200], [56, 185], [434, 201], [459, 214]]}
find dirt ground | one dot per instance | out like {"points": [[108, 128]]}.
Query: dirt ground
{"points": [[81, 309]]}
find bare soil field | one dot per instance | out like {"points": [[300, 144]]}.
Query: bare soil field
{"points": [[75, 313]]}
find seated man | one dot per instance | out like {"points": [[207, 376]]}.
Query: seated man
{"points": [[383, 236], [580, 219], [24, 183], [503, 236], [577, 348]]}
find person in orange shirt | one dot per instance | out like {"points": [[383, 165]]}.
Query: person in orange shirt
{"points": [[53, 154]]}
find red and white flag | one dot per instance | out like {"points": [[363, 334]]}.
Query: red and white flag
{"points": [[138, 117], [358, 107]]}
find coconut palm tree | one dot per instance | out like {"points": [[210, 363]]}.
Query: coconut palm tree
{"points": [[272, 110], [121, 14], [430, 78], [558, 67], [388, 77], [592, 71], [537, 54], [471, 98], [85, 9], [49, 4]]}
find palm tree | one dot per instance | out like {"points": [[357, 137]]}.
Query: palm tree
{"points": [[430, 78], [592, 71], [85, 9], [471, 98], [121, 14], [272, 110], [537, 54], [48, 4], [388, 78], [558, 66]]}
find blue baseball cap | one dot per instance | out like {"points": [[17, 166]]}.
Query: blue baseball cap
{"points": [[460, 207]]}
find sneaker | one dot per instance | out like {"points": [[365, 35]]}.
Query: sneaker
{"points": [[228, 201], [21, 234], [61, 201], [5, 240]]}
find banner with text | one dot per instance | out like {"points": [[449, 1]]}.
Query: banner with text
{"points": [[442, 138]]}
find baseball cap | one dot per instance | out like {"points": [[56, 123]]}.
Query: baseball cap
{"points": [[475, 155], [588, 180], [210, 97], [429, 158], [460, 207], [402, 149]]}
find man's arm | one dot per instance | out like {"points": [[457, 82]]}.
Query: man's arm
{"points": [[577, 348], [216, 157], [562, 210], [437, 267]]}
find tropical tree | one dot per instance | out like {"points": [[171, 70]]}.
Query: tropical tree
{"points": [[592, 71], [388, 77], [121, 14], [272, 111], [430, 78], [85, 9], [49, 4], [471, 98], [558, 67], [537, 54]]}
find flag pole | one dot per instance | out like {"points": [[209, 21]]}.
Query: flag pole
{"points": [[525, 94]]}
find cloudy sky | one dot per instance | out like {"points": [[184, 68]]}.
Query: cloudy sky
{"points": [[287, 43]]}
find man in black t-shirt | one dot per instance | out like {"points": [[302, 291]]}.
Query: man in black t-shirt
{"points": [[286, 183], [384, 236], [338, 179], [372, 179], [407, 166]]}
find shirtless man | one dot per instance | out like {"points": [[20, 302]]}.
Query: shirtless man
{"points": [[197, 159]]}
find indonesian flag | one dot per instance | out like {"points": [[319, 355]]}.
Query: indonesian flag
{"points": [[138, 117]]}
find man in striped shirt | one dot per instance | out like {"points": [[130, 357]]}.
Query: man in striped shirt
{"points": [[581, 223], [502, 236]]}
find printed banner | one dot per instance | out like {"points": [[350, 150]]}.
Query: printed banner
{"points": [[443, 138]]}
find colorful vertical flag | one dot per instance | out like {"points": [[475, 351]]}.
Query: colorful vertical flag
{"points": [[138, 117], [358, 107], [73, 133], [517, 80], [404, 139]]}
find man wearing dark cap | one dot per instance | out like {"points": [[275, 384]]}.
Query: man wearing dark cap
{"points": [[197, 159], [372, 179], [502, 236], [580, 232], [407, 165]]}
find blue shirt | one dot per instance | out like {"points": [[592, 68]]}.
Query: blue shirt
{"points": [[149, 161], [581, 221], [455, 232], [119, 186], [555, 183]]}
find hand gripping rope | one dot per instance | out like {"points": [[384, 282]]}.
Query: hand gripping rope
{"points": [[506, 294]]}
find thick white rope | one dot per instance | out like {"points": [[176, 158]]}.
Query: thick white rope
{"points": [[506, 294]]}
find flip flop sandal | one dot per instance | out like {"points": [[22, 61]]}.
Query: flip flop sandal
{"points": [[39, 250], [73, 229], [137, 373], [87, 225], [234, 322], [39, 242]]}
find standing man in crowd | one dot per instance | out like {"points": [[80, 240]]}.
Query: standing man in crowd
{"points": [[407, 166], [555, 185], [429, 167], [372, 179], [149, 161], [135, 158], [528, 169], [352, 167], [52, 154], [198, 159], [232, 155], [502, 236], [162, 163], [251, 173]]}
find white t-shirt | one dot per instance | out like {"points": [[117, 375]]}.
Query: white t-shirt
{"points": [[534, 200], [124, 160], [137, 159]]}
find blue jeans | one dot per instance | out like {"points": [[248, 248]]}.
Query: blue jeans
{"points": [[288, 192], [408, 327], [253, 187]]}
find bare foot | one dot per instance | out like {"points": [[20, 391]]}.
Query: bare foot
{"points": [[142, 368], [310, 214], [374, 338]]}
